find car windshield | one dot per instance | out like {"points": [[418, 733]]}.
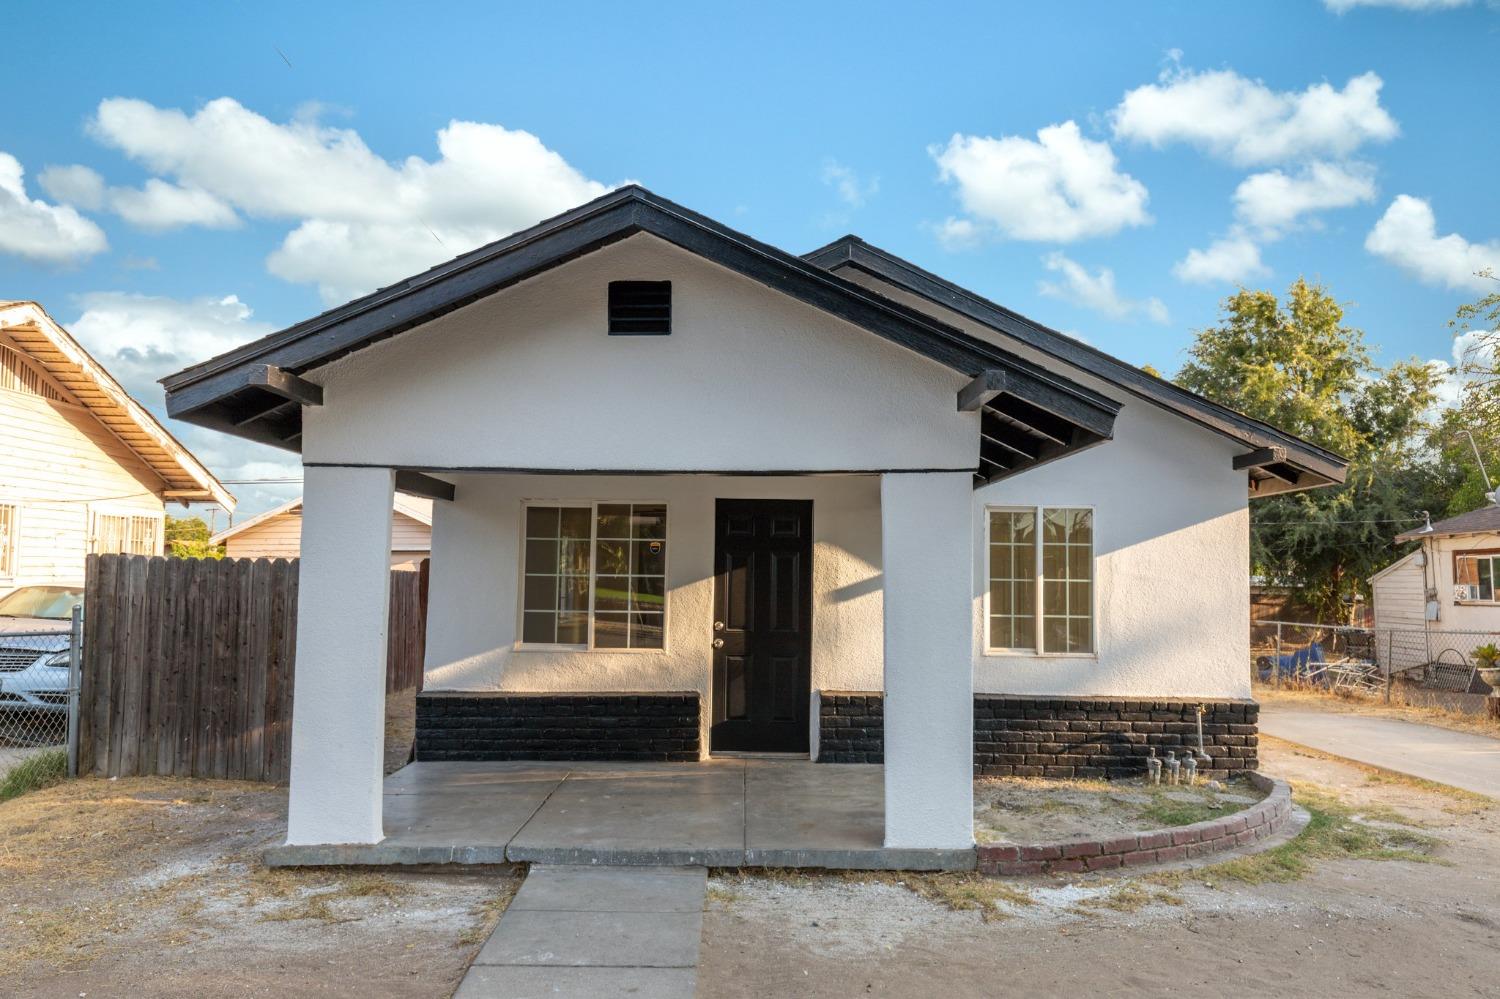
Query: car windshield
{"points": [[41, 601]]}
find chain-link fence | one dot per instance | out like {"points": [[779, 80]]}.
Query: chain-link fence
{"points": [[1373, 660], [39, 673]]}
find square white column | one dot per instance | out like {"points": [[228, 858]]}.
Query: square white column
{"points": [[926, 553], [343, 610]]}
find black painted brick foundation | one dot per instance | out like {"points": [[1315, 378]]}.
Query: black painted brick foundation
{"points": [[526, 726], [851, 727], [1060, 737]]}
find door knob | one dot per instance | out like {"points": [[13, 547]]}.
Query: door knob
{"points": [[718, 626], [718, 643]]}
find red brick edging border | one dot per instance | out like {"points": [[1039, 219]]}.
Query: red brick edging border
{"points": [[1159, 846]]}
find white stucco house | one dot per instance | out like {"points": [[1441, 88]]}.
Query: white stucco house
{"points": [[695, 495], [277, 532]]}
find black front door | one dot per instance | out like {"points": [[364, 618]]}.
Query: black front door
{"points": [[762, 625]]}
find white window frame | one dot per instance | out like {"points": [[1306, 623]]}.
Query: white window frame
{"points": [[1039, 608], [1476, 555], [592, 505], [10, 562]]}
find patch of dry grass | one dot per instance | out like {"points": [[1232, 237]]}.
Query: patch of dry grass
{"points": [[1337, 830], [960, 891], [488, 912]]}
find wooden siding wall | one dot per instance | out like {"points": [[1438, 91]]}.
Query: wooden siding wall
{"points": [[281, 537], [188, 664], [57, 463]]}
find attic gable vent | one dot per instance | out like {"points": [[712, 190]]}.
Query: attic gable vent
{"points": [[640, 308]]}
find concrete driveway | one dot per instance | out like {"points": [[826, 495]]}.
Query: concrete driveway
{"points": [[1470, 762]]}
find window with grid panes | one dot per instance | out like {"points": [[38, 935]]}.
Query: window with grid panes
{"points": [[595, 576], [1041, 584]]}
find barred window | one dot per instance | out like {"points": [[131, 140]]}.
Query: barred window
{"points": [[10, 540], [594, 575], [124, 534], [1041, 588]]}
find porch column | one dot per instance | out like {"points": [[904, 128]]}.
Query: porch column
{"points": [[338, 707], [926, 551]]}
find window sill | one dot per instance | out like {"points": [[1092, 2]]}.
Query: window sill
{"points": [[1023, 654], [1476, 603], [522, 647]]}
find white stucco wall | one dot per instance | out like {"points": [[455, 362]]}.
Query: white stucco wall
{"points": [[748, 380], [1172, 565], [473, 623]]}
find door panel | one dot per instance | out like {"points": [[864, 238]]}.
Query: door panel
{"points": [[762, 665]]}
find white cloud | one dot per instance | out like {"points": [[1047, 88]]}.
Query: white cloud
{"points": [[1059, 188], [39, 231], [1232, 259], [74, 185], [1342, 6], [1246, 122], [1096, 291], [1406, 235], [157, 206], [851, 189], [1275, 201], [160, 206], [140, 338], [361, 221]]}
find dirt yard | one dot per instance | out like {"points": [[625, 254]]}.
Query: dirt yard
{"points": [[1019, 810], [1306, 920], [152, 887]]}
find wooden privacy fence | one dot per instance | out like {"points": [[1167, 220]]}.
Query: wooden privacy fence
{"points": [[188, 664]]}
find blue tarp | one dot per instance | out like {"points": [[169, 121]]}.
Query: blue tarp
{"points": [[1292, 664]]}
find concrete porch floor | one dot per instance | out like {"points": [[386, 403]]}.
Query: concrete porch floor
{"points": [[719, 813]]}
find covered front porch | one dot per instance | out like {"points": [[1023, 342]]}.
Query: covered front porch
{"points": [[725, 812]]}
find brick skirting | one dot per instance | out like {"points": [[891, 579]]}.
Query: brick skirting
{"points": [[525, 726], [851, 727], [1159, 846], [1059, 737]]}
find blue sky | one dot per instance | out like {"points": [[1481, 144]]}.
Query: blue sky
{"points": [[196, 174]]}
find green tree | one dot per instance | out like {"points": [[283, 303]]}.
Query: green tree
{"points": [[187, 537], [1297, 365]]}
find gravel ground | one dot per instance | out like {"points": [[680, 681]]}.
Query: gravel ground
{"points": [[152, 887], [1348, 928]]}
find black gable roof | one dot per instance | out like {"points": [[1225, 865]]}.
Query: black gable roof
{"points": [[1322, 465], [253, 391]]}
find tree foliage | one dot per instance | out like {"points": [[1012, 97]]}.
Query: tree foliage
{"points": [[187, 537], [1296, 364]]}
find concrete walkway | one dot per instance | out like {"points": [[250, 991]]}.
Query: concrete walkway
{"points": [[595, 933], [1470, 762], [718, 813]]}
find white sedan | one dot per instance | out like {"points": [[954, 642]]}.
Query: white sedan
{"points": [[34, 631]]}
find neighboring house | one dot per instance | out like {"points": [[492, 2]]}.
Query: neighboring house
{"points": [[83, 467], [277, 533], [710, 497], [1452, 582]]}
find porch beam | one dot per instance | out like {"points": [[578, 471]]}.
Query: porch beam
{"points": [[1259, 458], [420, 484], [280, 382], [985, 386]]}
